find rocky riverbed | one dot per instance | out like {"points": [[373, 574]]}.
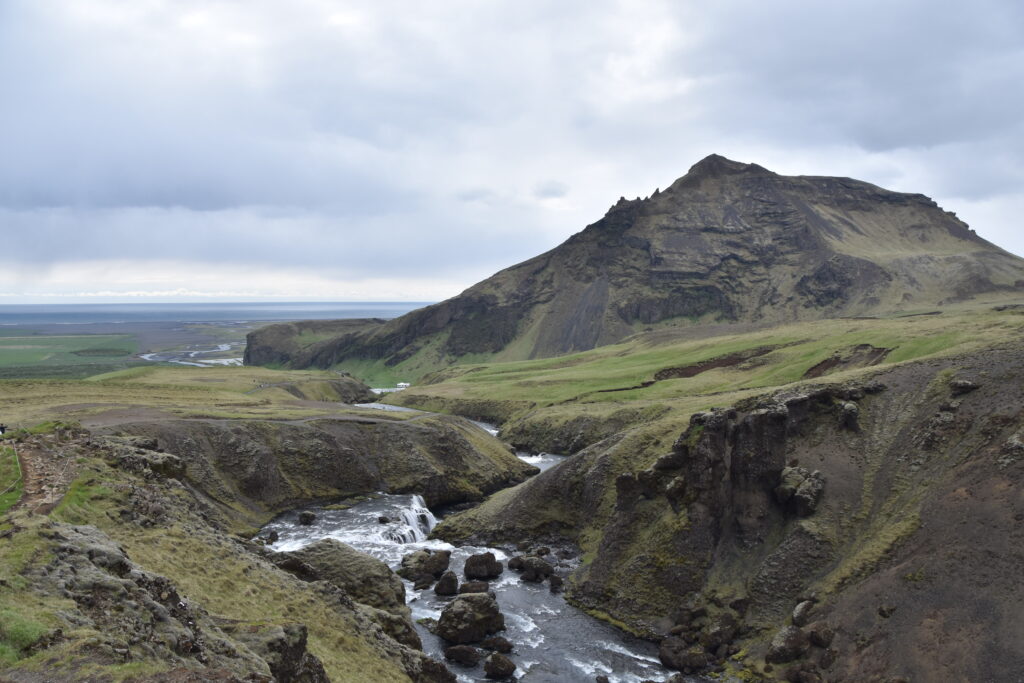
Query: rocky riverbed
{"points": [[550, 639]]}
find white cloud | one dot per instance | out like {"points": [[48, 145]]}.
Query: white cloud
{"points": [[438, 142]]}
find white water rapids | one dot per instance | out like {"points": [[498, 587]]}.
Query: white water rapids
{"points": [[554, 641]]}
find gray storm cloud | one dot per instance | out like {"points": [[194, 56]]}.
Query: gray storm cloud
{"points": [[444, 141]]}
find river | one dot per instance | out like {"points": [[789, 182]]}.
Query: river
{"points": [[554, 641]]}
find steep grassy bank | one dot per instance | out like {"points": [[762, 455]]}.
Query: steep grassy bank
{"points": [[915, 472], [133, 576]]}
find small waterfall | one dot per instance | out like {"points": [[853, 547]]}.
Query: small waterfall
{"points": [[417, 522]]}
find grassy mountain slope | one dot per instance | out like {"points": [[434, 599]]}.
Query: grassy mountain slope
{"points": [[727, 242], [676, 512]]}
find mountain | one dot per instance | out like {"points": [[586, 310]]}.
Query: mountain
{"points": [[728, 242]]}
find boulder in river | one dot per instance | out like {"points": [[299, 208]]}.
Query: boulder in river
{"points": [[467, 655], [498, 666], [475, 587], [306, 518], [498, 644], [470, 618], [536, 570], [424, 562], [483, 566], [448, 584]]}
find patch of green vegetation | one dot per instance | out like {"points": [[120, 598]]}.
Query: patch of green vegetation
{"points": [[86, 500], [11, 482], [17, 634], [58, 355]]}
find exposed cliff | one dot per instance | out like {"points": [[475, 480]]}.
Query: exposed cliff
{"points": [[261, 467], [856, 531], [726, 242]]}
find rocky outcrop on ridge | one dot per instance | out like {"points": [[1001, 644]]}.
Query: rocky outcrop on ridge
{"points": [[271, 466]]}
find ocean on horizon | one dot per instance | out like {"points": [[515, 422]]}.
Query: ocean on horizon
{"points": [[70, 314]]}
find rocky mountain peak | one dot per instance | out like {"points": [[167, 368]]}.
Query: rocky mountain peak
{"points": [[717, 166], [729, 242]]}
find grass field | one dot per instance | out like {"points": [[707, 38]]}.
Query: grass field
{"points": [[616, 374], [40, 354]]}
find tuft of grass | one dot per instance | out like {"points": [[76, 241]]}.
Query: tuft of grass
{"points": [[17, 634], [11, 482]]}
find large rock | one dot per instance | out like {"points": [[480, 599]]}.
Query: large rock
{"points": [[788, 644], [482, 567], [283, 648], [425, 563], [367, 580], [448, 584], [470, 618], [676, 653], [498, 666], [535, 569], [466, 655]]}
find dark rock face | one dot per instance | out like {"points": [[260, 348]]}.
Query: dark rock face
{"points": [[498, 666], [270, 465], [284, 650], [710, 517], [738, 244], [470, 618], [676, 653], [483, 567]]}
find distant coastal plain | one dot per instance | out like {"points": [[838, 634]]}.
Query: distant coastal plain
{"points": [[75, 341]]}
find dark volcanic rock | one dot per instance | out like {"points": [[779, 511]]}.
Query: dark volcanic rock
{"points": [[470, 618], [482, 567], [467, 655], [676, 653], [788, 644], [535, 569], [306, 518], [474, 587], [497, 643], [424, 563], [448, 584], [498, 666]]}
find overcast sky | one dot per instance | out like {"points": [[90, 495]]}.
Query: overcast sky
{"points": [[318, 149]]}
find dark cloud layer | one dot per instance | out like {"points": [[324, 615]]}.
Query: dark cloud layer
{"points": [[381, 141]]}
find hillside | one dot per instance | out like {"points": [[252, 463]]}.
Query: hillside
{"points": [[852, 485], [726, 243]]}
